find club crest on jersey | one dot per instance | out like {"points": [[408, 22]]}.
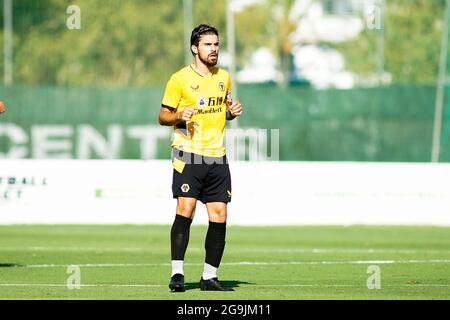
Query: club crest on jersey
{"points": [[201, 102], [185, 187], [222, 86]]}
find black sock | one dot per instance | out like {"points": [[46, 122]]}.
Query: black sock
{"points": [[179, 236], [215, 243]]}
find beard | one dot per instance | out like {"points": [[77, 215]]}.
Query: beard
{"points": [[208, 60]]}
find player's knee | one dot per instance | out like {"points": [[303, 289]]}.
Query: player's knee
{"points": [[186, 209], [218, 216]]}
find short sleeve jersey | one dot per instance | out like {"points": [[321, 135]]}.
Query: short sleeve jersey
{"points": [[204, 133]]}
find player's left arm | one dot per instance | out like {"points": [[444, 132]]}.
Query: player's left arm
{"points": [[234, 109]]}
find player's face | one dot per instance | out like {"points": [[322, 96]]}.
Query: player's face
{"points": [[208, 49]]}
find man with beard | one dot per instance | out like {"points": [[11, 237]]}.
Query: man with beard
{"points": [[197, 102]]}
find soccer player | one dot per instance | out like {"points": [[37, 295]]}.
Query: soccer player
{"points": [[197, 102]]}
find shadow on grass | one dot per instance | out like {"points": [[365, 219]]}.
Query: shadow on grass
{"points": [[227, 283], [10, 265]]}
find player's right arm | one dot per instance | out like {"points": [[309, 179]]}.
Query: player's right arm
{"points": [[169, 114], [170, 117]]}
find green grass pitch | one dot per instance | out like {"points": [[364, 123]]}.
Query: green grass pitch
{"points": [[277, 263]]}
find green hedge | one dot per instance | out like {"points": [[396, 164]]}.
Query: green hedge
{"points": [[391, 123]]}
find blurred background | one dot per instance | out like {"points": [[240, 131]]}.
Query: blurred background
{"points": [[343, 150], [344, 80], [346, 109]]}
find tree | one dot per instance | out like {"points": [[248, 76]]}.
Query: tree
{"points": [[412, 33], [121, 43]]}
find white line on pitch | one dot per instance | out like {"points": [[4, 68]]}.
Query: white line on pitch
{"points": [[99, 265], [337, 262], [268, 263], [256, 250], [344, 285], [243, 285], [337, 250], [99, 249], [81, 285]]}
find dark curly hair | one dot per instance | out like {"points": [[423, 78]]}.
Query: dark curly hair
{"points": [[199, 31]]}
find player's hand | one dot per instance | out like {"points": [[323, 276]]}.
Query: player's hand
{"points": [[2, 107], [235, 108], [186, 114]]}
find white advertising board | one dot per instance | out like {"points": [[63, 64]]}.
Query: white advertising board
{"points": [[264, 193]]}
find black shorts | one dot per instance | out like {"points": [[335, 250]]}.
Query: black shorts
{"points": [[204, 178]]}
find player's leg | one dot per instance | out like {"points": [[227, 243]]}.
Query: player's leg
{"points": [[216, 194], [214, 246], [215, 238], [186, 187], [179, 239], [179, 234]]}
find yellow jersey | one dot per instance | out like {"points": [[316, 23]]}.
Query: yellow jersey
{"points": [[204, 133]]}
